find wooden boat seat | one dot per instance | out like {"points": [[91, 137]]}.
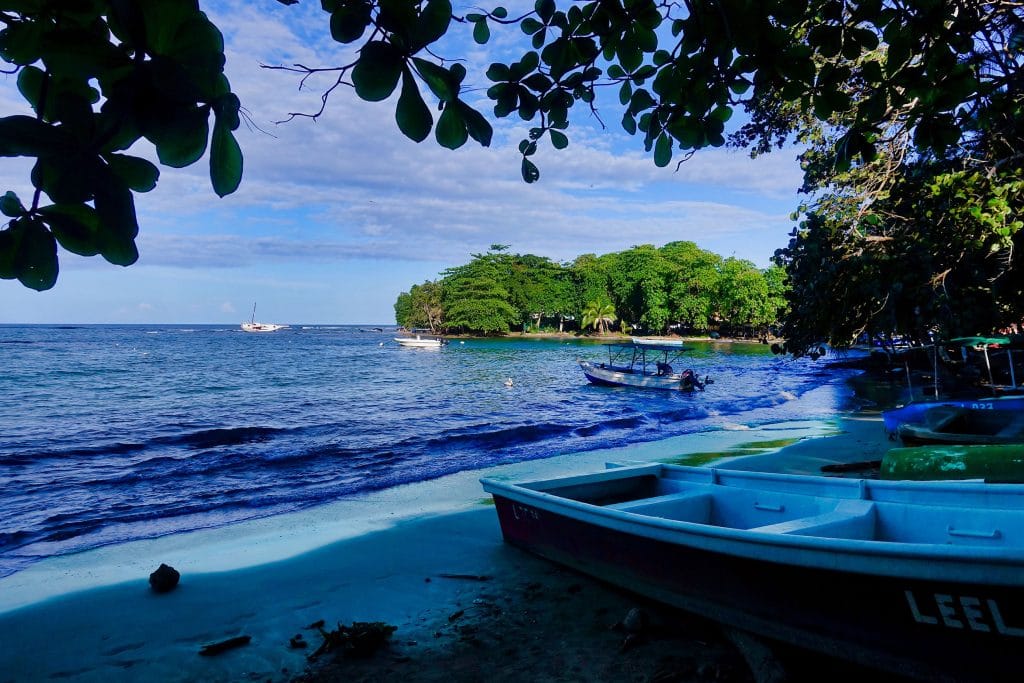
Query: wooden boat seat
{"points": [[853, 519]]}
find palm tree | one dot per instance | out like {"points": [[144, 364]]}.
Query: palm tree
{"points": [[599, 316]]}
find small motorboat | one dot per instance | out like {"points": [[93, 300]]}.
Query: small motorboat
{"points": [[922, 578], [420, 342], [644, 365]]}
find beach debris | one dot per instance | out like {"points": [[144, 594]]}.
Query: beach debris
{"points": [[297, 642], [224, 645], [852, 466], [760, 658], [466, 577], [360, 640], [635, 621], [164, 579]]}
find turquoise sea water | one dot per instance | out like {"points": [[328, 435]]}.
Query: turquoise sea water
{"points": [[115, 433]]}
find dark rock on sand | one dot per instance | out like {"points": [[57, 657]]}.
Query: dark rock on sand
{"points": [[164, 579]]}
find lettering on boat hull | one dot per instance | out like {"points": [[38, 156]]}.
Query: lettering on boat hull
{"points": [[960, 612]]}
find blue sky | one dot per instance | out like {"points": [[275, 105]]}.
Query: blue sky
{"points": [[335, 217]]}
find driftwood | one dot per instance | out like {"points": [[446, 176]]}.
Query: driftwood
{"points": [[852, 466], [466, 577], [224, 645], [362, 639], [763, 663]]}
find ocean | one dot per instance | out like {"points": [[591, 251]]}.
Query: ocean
{"points": [[117, 433]]}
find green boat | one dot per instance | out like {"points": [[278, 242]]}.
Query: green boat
{"points": [[992, 463]]}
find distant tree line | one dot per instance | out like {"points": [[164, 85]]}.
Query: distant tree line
{"points": [[646, 289]]}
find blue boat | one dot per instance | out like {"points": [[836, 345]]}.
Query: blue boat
{"points": [[921, 578], [914, 413]]}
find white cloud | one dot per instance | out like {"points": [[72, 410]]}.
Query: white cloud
{"points": [[350, 187]]}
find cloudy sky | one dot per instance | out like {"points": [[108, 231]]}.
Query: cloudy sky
{"points": [[336, 216]]}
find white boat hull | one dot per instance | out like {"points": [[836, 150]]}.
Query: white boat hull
{"points": [[262, 327], [420, 343], [623, 377]]}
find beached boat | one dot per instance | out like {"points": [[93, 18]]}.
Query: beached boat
{"points": [[955, 425], [646, 365], [915, 412], [922, 578], [991, 463], [420, 342]]}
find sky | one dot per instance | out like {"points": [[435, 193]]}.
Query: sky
{"points": [[335, 217]]}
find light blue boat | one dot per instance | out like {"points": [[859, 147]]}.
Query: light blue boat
{"points": [[925, 579]]}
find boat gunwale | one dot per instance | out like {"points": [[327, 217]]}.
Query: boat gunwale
{"points": [[825, 551]]}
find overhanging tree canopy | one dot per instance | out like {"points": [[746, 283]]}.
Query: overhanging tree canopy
{"points": [[941, 77]]}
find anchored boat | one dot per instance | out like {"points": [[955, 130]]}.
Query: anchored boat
{"points": [[253, 326], [922, 578], [644, 364], [421, 342]]}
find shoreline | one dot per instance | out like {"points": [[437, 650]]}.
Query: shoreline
{"points": [[375, 557]]}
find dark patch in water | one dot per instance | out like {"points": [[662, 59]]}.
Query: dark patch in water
{"points": [[229, 436]]}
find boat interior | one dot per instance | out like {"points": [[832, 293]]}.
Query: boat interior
{"points": [[806, 506]]}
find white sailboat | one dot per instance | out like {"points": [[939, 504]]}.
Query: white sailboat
{"points": [[253, 326]]}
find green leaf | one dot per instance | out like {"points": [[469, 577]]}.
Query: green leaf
{"points": [[558, 140], [629, 123], [65, 178], [399, 17], [722, 114], [440, 81], [10, 240], [137, 173], [476, 125], [662, 151], [25, 136], [412, 114], [433, 22], [481, 33], [376, 74], [526, 65], [349, 21], [529, 26], [499, 12], [225, 161], [545, 9], [530, 172], [119, 227], [180, 135], [451, 130], [76, 227], [10, 205], [28, 251], [498, 72], [21, 42]]}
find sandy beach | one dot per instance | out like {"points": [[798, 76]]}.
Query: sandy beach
{"points": [[425, 558]]}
